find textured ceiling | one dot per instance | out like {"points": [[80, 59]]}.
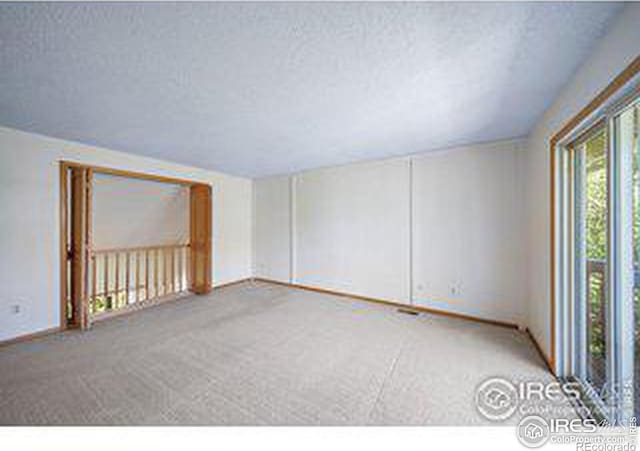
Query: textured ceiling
{"points": [[266, 88]]}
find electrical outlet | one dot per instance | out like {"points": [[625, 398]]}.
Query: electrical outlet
{"points": [[15, 309]]}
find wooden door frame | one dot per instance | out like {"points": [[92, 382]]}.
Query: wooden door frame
{"points": [[205, 283]]}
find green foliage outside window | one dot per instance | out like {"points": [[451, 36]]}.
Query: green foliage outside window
{"points": [[596, 243], [596, 249]]}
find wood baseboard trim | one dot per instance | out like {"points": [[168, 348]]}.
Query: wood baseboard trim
{"points": [[477, 319], [31, 336], [394, 304], [229, 284], [543, 356]]}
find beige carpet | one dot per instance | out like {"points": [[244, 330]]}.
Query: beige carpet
{"points": [[262, 354]]}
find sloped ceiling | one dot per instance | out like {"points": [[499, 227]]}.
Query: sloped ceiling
{"points": [[264, 88]]}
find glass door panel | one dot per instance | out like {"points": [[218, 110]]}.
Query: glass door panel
{"points": [[628, 129], [627, 307], [591, 261], [636, 253]]}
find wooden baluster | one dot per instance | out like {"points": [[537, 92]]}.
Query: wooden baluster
{"points": [[185, 260], [105, 294], [117, 297], [180, 255], [94, 283], [188, 265], [138, 276], [185, 269], [127, 263], [172, 252], [165, 270], [156, 272], [146, 274]]}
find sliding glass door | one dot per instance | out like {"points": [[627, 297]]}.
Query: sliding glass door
{"points": [[636, 251], [591, 199], [627, 144], [599, 224]]}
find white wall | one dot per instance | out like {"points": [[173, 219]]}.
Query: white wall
{"points": [[232, 228], [468, 253], [613, 54], [131, 212], [353, 228], [272, 229], [29, 222]]}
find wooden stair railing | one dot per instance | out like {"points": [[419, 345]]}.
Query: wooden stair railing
{"points": [[123, 277]]}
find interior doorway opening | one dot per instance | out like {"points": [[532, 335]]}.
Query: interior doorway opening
{"points": [[117, 253]]}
